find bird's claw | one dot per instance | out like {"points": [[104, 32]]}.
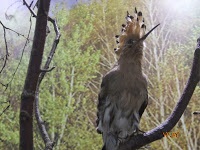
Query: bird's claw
{"points": [[138, 131]]}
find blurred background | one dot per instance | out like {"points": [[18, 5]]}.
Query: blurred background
{"points": [[68, 94]]}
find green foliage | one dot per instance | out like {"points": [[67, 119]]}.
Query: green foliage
{"points": [[68, 94], [65, 95], [9, 124], [167, 88]]}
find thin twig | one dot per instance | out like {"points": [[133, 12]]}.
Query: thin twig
{"points": [[5, 58], [19, 34], [27, 41], [29, 8], [6, 44], [13, 75], [5, 109], [5, 85]]}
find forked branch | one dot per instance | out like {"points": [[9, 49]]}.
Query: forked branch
{"points": [[48, 143], [45, 136]]}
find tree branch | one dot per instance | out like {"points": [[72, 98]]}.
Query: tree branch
{"points": [[32, 77], [6, 44], [7, 55], [29, 8], [48, 143], [19, 34], [5, 109], [5, 58], [196, 113], [48, 70], [157, 133]]}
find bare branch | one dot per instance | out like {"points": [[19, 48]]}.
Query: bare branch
{"points": [[157, 133], [9, 17], [53, 48], [5, 110], [48, 70], [196, 113], [27, 41], [48, 143], [29, 7], [45, 136], [6, 44], [5, 85], [13, 75], [19, 34], [5, 58]]}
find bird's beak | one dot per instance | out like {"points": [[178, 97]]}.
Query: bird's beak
{"points": [[146, 35]]}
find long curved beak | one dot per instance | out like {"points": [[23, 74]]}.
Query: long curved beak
{"points": [[146, 35]]}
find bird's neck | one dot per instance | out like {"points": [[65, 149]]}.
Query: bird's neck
{"points": [[131, 67], [131, 62]]}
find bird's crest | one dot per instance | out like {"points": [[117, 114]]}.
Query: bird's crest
{"points": [[132, 31]]}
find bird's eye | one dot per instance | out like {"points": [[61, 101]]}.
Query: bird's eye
{"points": [[131, 42]]}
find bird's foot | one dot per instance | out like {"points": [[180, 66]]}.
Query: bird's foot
{"points": [[138, 131], [123, 136]]}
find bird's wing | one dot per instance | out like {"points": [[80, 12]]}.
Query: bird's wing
{"points": [[144, 104], [109, 83], [101, 100]]}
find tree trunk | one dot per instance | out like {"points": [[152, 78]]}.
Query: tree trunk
{"points": [[28, 94]]}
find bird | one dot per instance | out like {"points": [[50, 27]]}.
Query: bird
{"points": [[123, 95]]}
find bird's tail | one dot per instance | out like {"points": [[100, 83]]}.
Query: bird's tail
{"points": [[110, 142]]}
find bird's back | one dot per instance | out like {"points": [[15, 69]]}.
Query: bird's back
{"points": [[126, 91]]}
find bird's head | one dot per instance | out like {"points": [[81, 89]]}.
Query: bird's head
{"points": [[130, 41]]}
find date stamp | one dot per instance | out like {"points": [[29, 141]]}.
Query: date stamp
{"points": [[171, 134]]}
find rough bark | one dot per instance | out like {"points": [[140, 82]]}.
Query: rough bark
{"points": [[28, 94]]}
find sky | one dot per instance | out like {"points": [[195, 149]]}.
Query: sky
{"points": [[15, 5], [19, 11], [181, 6], [21, 14], [12, 7]]}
